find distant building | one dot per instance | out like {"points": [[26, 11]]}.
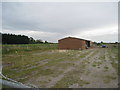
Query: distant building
{"points": [[74, 43]]}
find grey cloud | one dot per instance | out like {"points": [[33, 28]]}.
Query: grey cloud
{"points": [[62, 18]]}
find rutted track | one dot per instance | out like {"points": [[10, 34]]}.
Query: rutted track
{"points": [[68, 69]]}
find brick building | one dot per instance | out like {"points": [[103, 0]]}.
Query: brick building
{"points": [[73, 43]]}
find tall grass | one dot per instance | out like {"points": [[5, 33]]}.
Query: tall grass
{"points": [[11, 49]]}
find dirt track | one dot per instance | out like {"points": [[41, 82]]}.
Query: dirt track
{"points": [[91, 69]]}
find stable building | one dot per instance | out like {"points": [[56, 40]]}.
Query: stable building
{"points": [[73, 43]]}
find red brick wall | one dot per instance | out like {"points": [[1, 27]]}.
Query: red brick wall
{"points": [[71, 43]]}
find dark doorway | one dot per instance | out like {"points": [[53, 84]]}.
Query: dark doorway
{"points": [[88, 43]]}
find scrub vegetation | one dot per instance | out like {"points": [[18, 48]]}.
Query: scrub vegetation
{"points": [[44, 66]]}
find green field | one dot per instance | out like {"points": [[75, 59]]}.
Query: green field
{"points": [[43, 65], [20, 48]]}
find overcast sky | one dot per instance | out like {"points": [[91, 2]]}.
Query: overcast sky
{"points": [[96, 21]]}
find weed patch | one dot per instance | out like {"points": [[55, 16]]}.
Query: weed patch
{"points": [[107, 79]]}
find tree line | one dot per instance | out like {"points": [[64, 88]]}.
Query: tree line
{"points": [[19, 39]]}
